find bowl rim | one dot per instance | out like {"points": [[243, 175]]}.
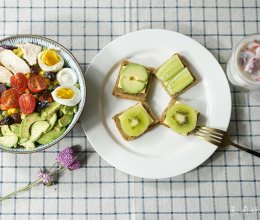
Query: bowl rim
{"points": [[83, 92]]}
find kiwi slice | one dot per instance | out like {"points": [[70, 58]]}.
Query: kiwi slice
{"points": [[134, 121], [170, 68], [179, 82], [181, 118], [134, 78]]}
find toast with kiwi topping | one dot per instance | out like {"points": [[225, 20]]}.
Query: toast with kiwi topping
{"points": [[133, 81], [175, 76], [180, 117], [135, 121]]}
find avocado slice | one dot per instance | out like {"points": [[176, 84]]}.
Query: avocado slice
{"points": [[51, 135], [9, 141], [50, 110], [67, 110], [23, 140], [65, 120], [6, 130], [15, 128], [38, 128], [133, 78], [135, 71], [26, 124], [52, 120], [132, 86], [28, 145]]}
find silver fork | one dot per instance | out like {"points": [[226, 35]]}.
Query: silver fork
{"points": [[219, 138]]}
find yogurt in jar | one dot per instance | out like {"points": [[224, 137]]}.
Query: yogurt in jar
{"points": [[243, 68]]}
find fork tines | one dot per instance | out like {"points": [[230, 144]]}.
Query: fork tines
{"points": [[211, 135]]}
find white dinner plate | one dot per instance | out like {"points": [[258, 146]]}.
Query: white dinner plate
{"points": [[159, 153]]}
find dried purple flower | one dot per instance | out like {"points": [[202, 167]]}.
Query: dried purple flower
{"points": [[75, 165], [67, 160], [46, 177]]}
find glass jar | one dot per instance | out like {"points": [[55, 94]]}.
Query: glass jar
{"points": [[243, 68]]}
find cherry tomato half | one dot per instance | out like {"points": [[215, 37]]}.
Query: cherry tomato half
{"points": [[27, 103], [9, 98], [19, 82], [37, 83]]}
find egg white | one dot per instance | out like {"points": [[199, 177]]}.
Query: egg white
{"points": [[54, 68], [68, 102], [67, 76]]}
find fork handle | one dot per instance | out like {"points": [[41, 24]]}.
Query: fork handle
{"points": [[245, 149]]}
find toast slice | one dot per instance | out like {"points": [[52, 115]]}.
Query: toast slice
{"points": [[182, 65], [162, 119], [141, 96], [116, 119]]}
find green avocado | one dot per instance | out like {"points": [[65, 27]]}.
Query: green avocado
{"points": [[49, 111], [15, 128], [28, 145], [65, 120], [51, 135], [38, 129], [6, 130], [52, 120], [67, 110], [26, 124], [9, 140]]}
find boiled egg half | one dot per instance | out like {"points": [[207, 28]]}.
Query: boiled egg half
{"points": [[67, 76], [49, 60], [67, 95]]}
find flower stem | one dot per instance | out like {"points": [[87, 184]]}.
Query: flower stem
{"points": [[33, 184], [25, 188]]}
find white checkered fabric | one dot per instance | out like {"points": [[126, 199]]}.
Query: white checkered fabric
{"points": [[226, 186]]}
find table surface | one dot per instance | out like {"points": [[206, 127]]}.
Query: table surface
{"points": [[226, 186]]}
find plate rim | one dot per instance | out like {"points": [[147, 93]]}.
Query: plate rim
{"points": [[194, 41]]}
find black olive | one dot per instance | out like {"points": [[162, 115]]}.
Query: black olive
{"points": [[50, 75], [7, 121], [17, 117], [41, 105], [34, 69]]}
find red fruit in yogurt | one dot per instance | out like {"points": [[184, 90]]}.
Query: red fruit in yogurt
{"points": [[253, 65]]}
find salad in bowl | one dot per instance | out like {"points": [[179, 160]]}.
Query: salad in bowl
{"points": [[42, 93]]}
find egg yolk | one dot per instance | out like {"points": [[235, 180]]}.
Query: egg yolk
{"points": [[65, 93], [50, 57]]}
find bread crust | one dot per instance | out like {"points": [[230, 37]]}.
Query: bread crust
{"points": [[129, 138], [120, 93], [186, 88]]}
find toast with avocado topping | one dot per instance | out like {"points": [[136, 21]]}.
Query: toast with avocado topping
{"points": [[133, 81]]}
